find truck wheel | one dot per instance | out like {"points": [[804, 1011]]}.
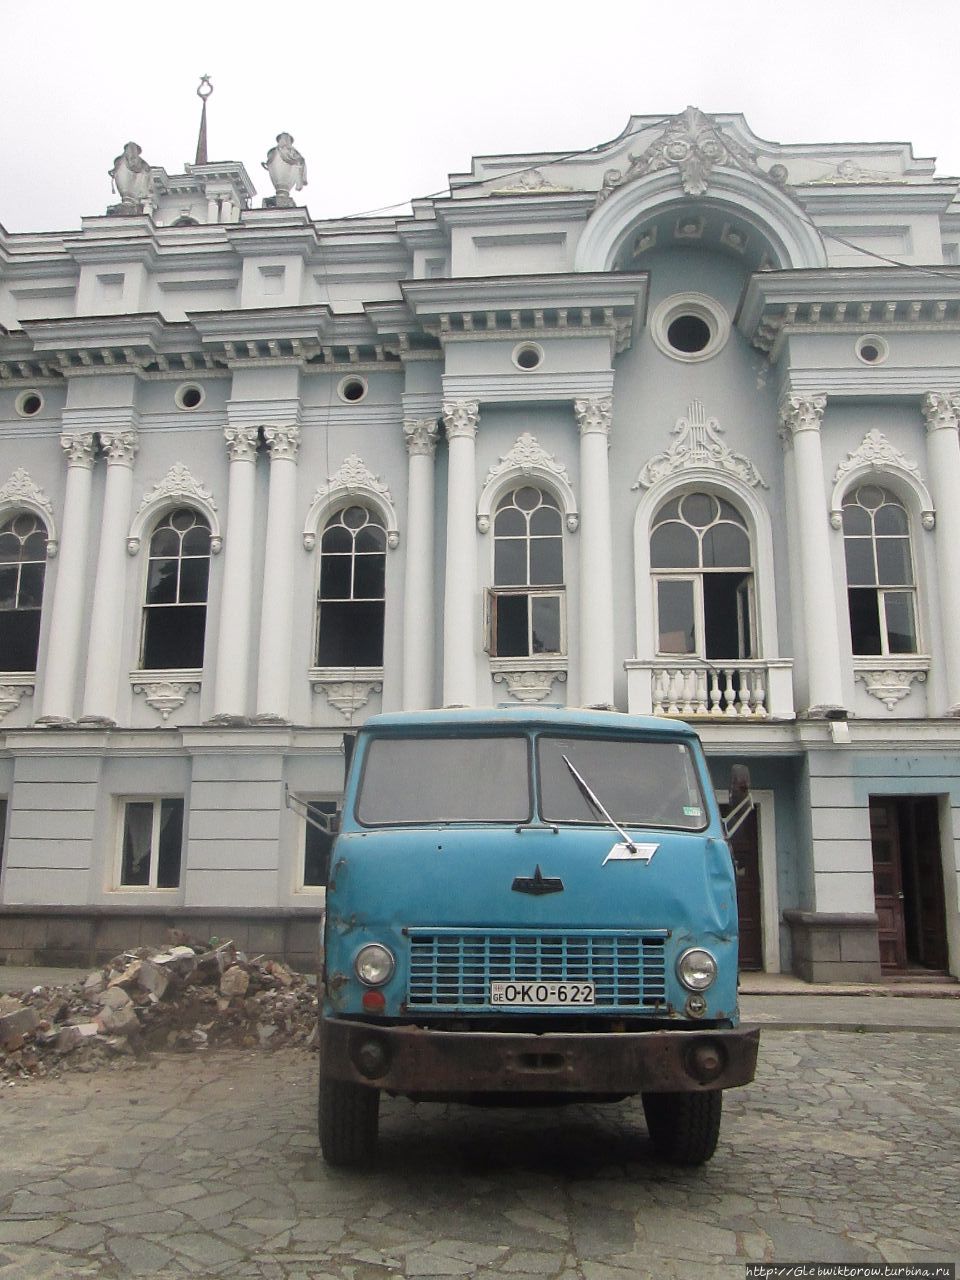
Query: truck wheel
{"points": [[684, 1127], [348, 1117]]}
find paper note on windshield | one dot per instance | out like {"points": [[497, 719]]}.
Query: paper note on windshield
{"points": [[622, 852]]}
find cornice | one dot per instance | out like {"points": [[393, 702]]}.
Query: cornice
{"points": [[500, 293], [492, 210], [529, 388], [894, 198]]}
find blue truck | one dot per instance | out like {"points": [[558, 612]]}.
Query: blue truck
{"points": [[530, 905]]}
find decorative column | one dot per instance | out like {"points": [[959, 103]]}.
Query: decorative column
{"points": [[233, 638], [460, 419], [941, 412], [596, 553], [66, 620], [801, 417], [420, 436], [103, 652], [276, 621]]}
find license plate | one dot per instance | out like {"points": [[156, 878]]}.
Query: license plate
{"points": [[538, 994]]}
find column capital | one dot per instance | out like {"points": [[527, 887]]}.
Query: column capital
{"points": [[941, 410], [80, 448], [594, 417], [461, 418], [119, 447], [801, 413], [283, 442], [420, 435], [242, 443]]}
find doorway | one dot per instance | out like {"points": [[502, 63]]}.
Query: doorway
{"points": [[745, 847], [908, 883]]}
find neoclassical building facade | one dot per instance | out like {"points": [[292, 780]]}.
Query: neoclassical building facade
{"points": [[669, 427]]}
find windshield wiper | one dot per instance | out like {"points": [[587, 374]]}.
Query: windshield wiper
{"points": [[597, 804]]}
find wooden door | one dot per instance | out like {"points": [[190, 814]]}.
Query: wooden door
{"points": [[888, 882], [922, 866], [745, 847]]}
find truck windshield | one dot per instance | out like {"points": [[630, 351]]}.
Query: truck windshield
{"points": [[425, 780], [640, 783]]}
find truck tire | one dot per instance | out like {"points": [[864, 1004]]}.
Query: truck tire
{"points": [[348, 1116], [684, 1127]]}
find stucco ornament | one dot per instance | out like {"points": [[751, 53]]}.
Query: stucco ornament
{"points": [[941, 410], [348, 696], [876, 454], [178, 484], [11, 695], [529, 686], [694, 144], [352, 479], [889, 686], [698, 444], [130, 178], [287, 170], [166, 696], [527, 459], [21, 491], [461, 418]]}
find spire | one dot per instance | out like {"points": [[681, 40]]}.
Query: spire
{"points": [[204, 91]]}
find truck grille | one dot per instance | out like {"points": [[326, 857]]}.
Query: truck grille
{"points": [[454, 968]]}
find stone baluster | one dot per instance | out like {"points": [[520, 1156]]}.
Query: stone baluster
{"points": [[460, 419], [103, 652], [941, 412], [801, 417], [420, 437], [276, 622], [233, 637], [594, 418], [66, 619]]}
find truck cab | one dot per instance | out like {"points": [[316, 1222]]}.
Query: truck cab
{"points": [[531, 905]]}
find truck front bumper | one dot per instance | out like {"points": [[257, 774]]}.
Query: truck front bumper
{"points": [[416, 1060]]}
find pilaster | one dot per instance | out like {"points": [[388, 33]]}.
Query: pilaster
{"points": [[233, 638], [941, 412], [800, 417], [66, 621], [460, 420], [276, 624], [420, 436], [106, 634], [594, 418]]}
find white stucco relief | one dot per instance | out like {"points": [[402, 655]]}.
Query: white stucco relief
{"points": [[875, 456], [178, 485], [21, 493], [697, 445], [526, 460], [353, 479]]}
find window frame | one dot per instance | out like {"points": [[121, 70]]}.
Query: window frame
{"points": [[374, 517], [880, 592], [157, 802], [164, 518], [698, 575], [313, 802], [11, 517], [530, 591]]}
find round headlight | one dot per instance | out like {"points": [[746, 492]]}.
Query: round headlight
{"points": [[374, 964], [697, 969]]}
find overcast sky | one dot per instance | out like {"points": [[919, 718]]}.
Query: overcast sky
{"points": [[385, 99]]}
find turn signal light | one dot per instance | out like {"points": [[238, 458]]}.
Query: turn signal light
{"points": [[373, 1001]]}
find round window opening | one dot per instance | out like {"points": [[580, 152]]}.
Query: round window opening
{"points": [[528, 355], [352, 390], [189, 396], [689, 327], [872, 349], [689, 334], [29, 404]]}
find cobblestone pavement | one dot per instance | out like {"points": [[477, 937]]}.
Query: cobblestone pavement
{"points": [[847, 1148]]}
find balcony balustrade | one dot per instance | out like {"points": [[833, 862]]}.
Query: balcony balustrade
{"points": [[693, 689]]}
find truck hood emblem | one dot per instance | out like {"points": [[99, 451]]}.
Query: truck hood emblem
{"points": [[537, 884]]}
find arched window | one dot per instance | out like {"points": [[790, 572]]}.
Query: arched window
{"points": [[526, 602], [23, 559], [703, 578], [175, 609], [351, 600], [881, 594]]}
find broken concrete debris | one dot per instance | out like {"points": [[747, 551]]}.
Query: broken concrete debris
{"points": [[184, 997]]}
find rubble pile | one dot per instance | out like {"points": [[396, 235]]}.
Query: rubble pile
{"points": [[189, 996]]}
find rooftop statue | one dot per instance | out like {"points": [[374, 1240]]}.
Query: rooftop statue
{"points": [[287, 169], [130, 178]]}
